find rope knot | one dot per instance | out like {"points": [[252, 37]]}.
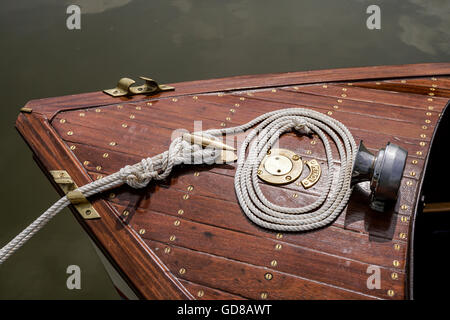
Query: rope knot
{"points": [[301, 126]]}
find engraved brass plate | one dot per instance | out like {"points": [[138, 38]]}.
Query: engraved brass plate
{"points": [[280, 166], [314, 174], [78, 200]]}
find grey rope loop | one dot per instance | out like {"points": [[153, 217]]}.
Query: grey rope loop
{"points": [[270, 126]]}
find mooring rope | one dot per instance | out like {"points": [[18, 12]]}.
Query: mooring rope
{"points": [[270, 126]]}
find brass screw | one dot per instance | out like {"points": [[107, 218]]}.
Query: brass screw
{"points": [[138, 108], [423, 135], [344, 89], [269, 152], [295, 195], [308, 151], [180, 212], [259, 171], [424, 127], [73, 147], [236, 104], [119, 106], [182, 271], [343, 95], [430, 107], [329, 113], [434, 85], [132, 116], [377, 83], [403, 81], [112, 143], [232, 110], [70, 133], [274, 263], [428, 113], [274, 90], [172, 238], [99, 177], [228, 118], [404, 207], [62, 121], [313, 142], [190, 188], [430, 99], [419, 153], [431, 94], [220, 94], [149, 103], [268, 276], [174, 99], [200, 293], [397, 246], [422, 143], [195, 97], [279, 236], [278, 246], [414, 161], [295, 157], [396, 263], [186, 196], [402, 235], [288, 178], [325, 86], [409, 183], [167, 250], [125, 213], [434, 78], [142, 231], [177, 223], [196, 174], [105, 155], [124, 125], [223, 124], [394, 275], [264, 295], [112, 195], [349, 84], [339, 100], [86, 163], [98, 110], [412, 173], [427, 121], [390, 293], [336, 107], [242, 98], [82, 114], [404, 219]]}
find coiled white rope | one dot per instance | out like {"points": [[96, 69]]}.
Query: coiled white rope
{"points": [[251, 199]]}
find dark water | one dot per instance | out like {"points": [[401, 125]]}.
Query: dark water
{"points": [[169, 41]]}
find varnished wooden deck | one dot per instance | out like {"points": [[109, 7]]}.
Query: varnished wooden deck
{"points": [[187, 237]]}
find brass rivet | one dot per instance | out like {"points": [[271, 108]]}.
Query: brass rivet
{"points": [[402, 235], [186, 196], [98, 168], [112, 143], [336, 107], [228, 118], [428, 113], [82, 114], [422, 143], [274, 90], [138, 108], [391, 293], [174, 99], [232, 110], [190, 188], [195, 97], [427, 121], [288, 178], [329, 113], [124, 125], [430, 99], [430, 107], [236, 104], [344, 89], [105, 155], [423, 135], [295, 157], [223, 124], [404, 219], [394, 275], [182, 271], [98, 110], [412, 173], [125, 213], [86, 163], [196, 174], [424, 127], [142, 231], [132, 116], [339, 100], [172, 238], [419, 153], [295, 195], [167, 250], [264, 295], [278, 246], [274, 263], [62, 121], [112, 195], [268, 276], [177, 223], [69, 133], [325, 86], [279, 236], [149, 103], [313, 142], [404, 207], [200, 293], [397, 246], [409, 183], [414, 161], [308, 152], [242, 98], [180, 212], [343, 95], [73, 147], [396, 263]]}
